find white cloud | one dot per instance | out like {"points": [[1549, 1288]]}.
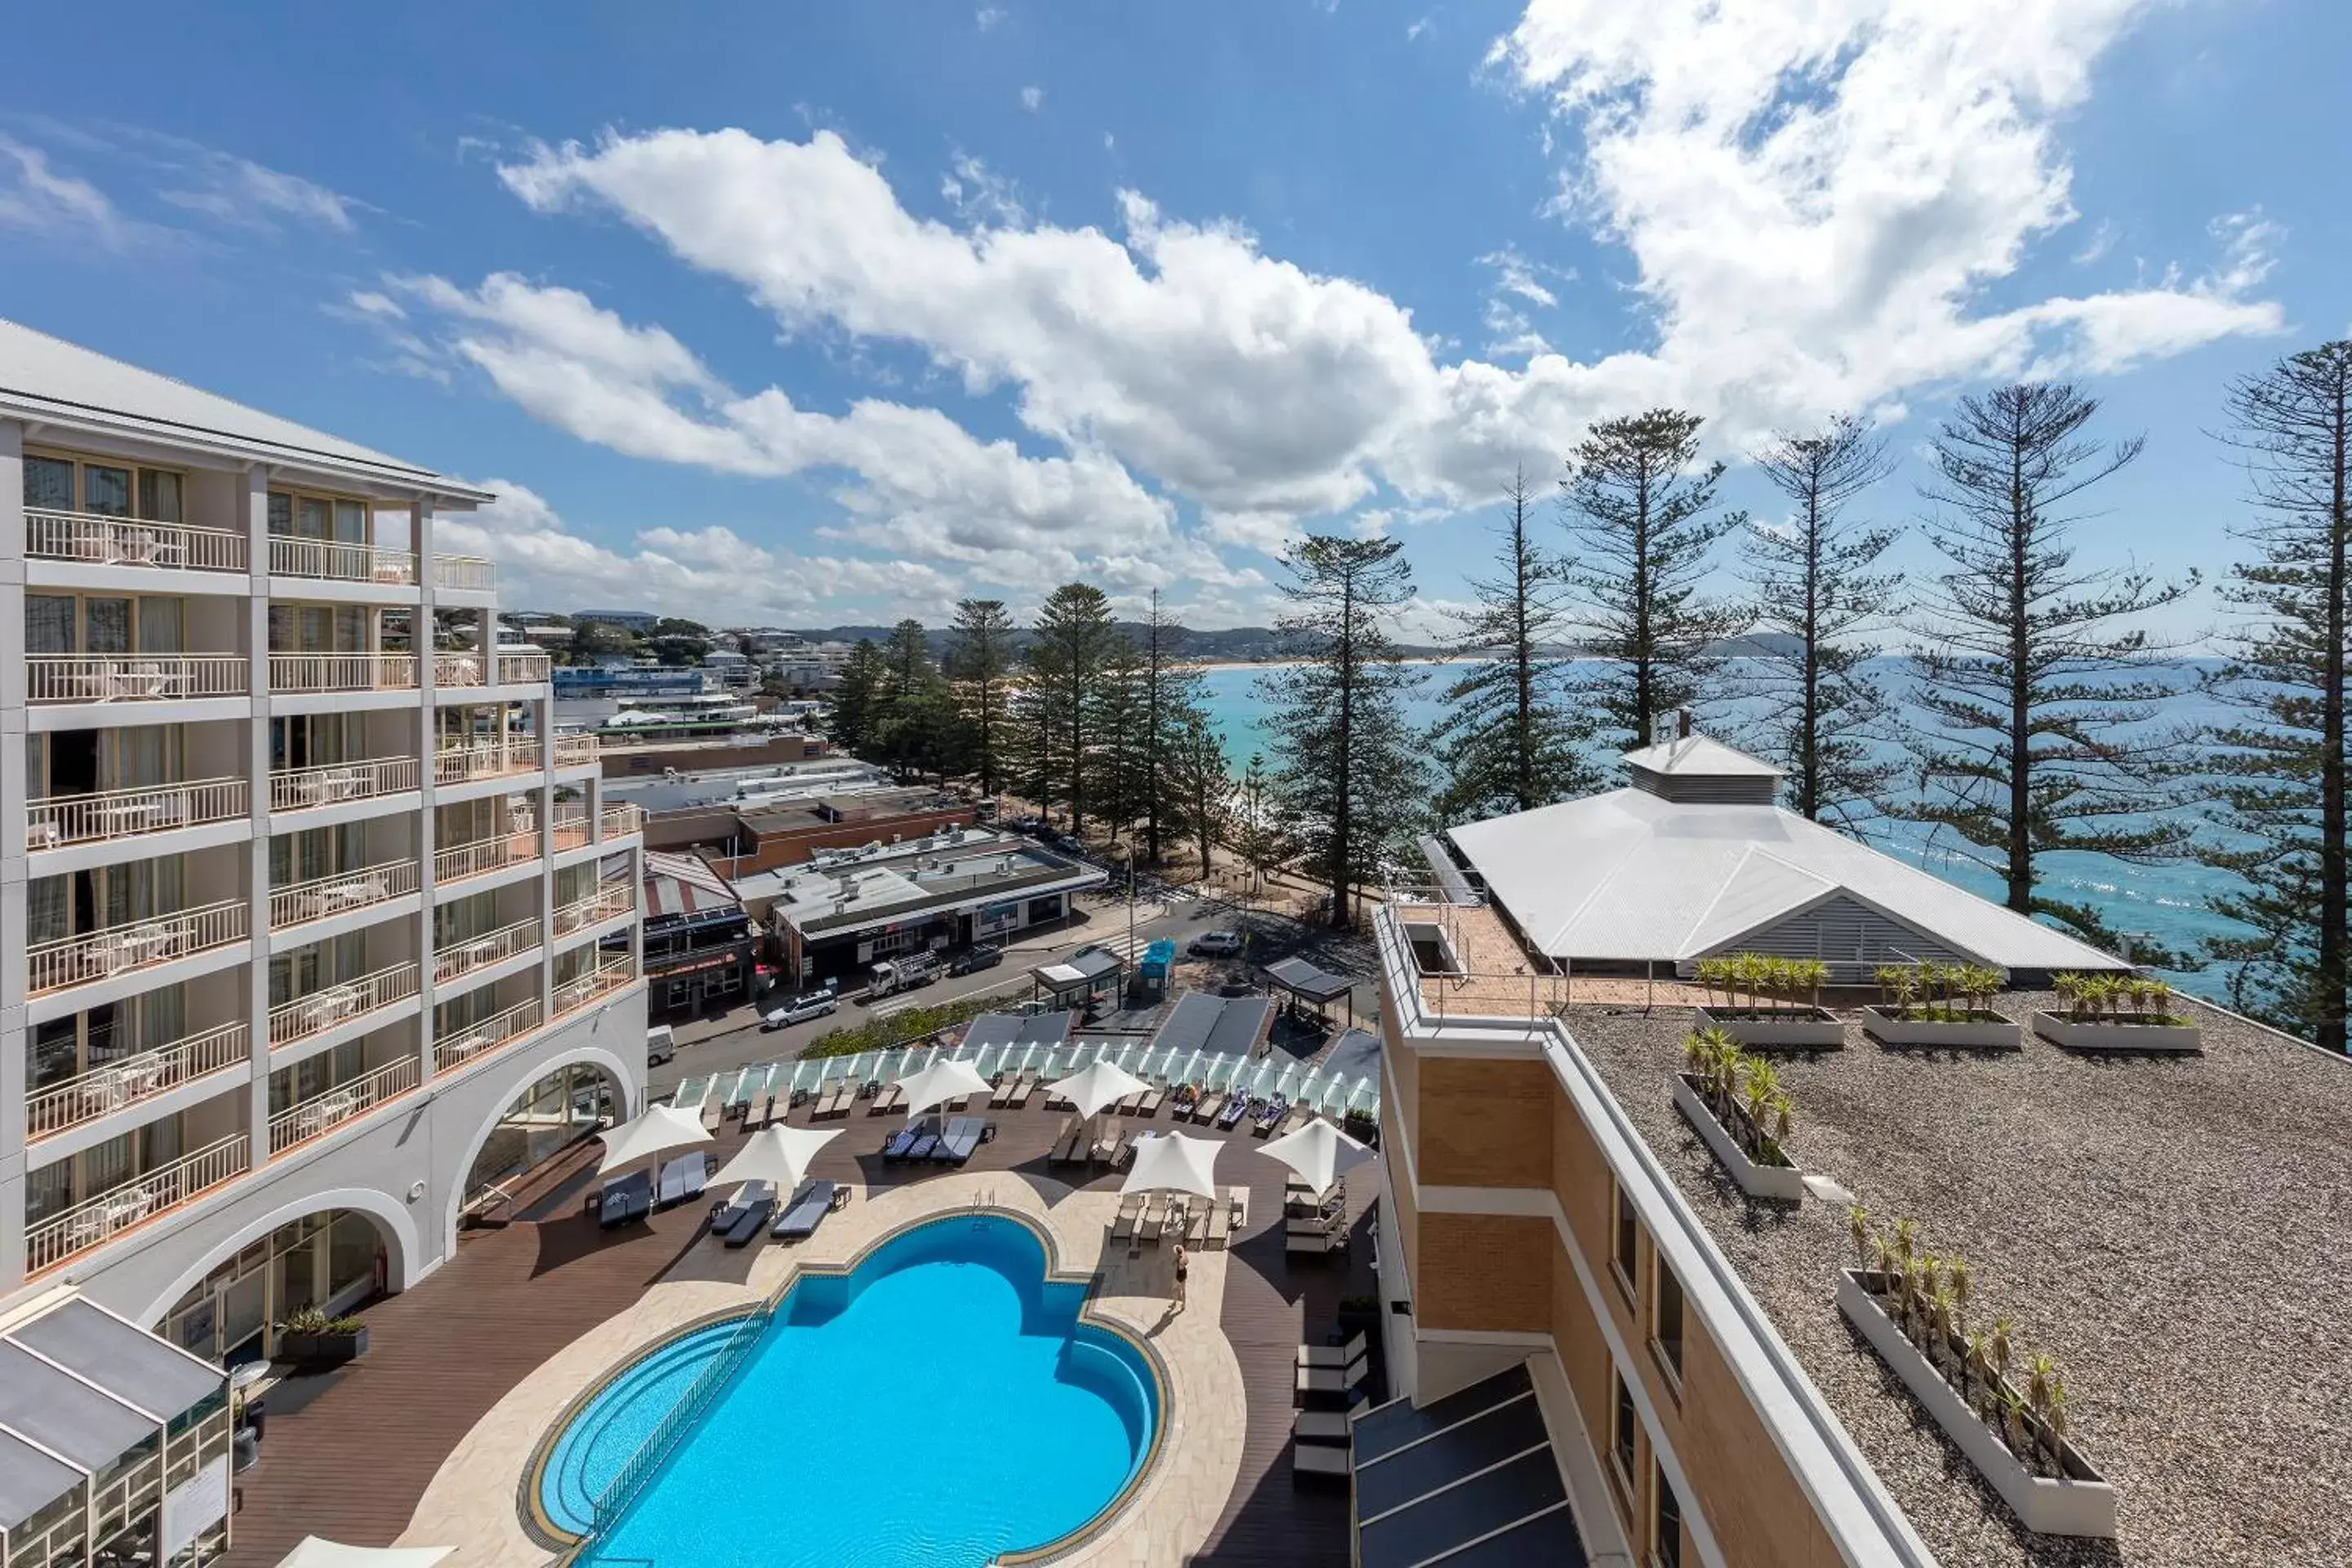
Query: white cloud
{"points": [[1032, 99], [1414, 32], [987, 17], [369, 303], [36, 199], [239, 191]]}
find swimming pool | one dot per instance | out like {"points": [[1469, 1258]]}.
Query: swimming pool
{"points": [[941, 1403]]}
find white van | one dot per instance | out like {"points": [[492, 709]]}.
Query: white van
{"points": [[659, 1047]]}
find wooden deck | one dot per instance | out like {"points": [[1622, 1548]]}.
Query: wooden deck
{"points": [[348, 1454]]}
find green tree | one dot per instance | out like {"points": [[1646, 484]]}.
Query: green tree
{"points": [[1169, 696], [2038, 700], [1257, 838], [1348, 771], [910, 729], [1641, 507], [857, 710], [1821, 708], [1509, 741], [2283, 768], [1060, 696], [1200, 788], [980, 673]]}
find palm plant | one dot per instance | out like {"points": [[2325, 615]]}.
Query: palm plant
{"points": [[1977, 1365], [2053, 1423], [1898, 984], [1857, 1225], [2000, 1347], [2160, 997], [2069, 987], [1761, 1085], [1906, 1236], [2012, 1410], [1957, 1272], [1784, 1111]]}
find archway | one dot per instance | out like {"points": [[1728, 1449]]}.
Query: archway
{"points": [[328, 1249], [557, 1106]]}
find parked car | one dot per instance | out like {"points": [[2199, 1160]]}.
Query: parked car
{"points": [[1215, 944], [801, 1009], [971, 960], [660, 1045]]}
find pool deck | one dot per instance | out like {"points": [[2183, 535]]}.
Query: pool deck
{"points": [[426, 1440]]}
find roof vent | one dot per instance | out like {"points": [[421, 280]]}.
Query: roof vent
{"points": [[1693, 769]]}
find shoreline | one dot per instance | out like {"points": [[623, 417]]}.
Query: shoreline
{"points": [[1286, 663]]}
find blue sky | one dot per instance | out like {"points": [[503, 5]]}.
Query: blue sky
{"points": [[809, 315]]}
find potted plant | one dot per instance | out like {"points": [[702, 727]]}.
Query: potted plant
{"points": [[1948, 1004], [311, 1338], [1782, 1006], [1741, 1113], [2125, 1013]]}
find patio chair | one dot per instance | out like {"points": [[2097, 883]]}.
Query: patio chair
{"points": [[1326, 1426], [1154, 1220], [1019, 1098], [1318, 1460], [1148, 1103], [728, 1213], [750, 1223], [811, 1201], [1130, 1209], [1196, 1223], [964, 1135], [888, 1100], [903, 1142], [1206, 1109], [1069, 1144], [626, 1200], [711, 1112], [1231, 1117]]}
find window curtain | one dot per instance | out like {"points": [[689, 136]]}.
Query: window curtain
{"points": [[49, 484], [48, 624], [106, 490], [313, 518], [281, 513], [144, 757], [159, 496], [48, 910], [162, 625], [106, 625], [351, 521], [162, 1017], [463, 920]]}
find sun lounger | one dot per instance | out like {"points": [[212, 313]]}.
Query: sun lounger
{"points": [[1332, 1355], [680, 1180], [1154, 1220], [626, 1200], [1314, 1243], [1332, 1379], [1149, 1104], [757, 1117], [724, 1213], [1127, 1107], [1318, 1460], [964, 1135], [1069, 1143], [1108, 1148], [996, 1096], [924, 1148], [1196, 1223], [1207, 1110], [1130, 1209], [1266, 1121], [711, 1112], [1230, 1118], [750, 1223], [1221, 1222], [811, 1201], [1058, 1102], [1300, 1115], [889, 1100], [902, 1142], [1019, 1098], [1326, 1426]]}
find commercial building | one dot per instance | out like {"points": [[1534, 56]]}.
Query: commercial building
{"points": [[1660, 1368], [697, 939], [577, 682], [305, 905]]}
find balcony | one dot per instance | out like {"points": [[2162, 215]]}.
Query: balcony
{"points": [[99, 541], [585, 989], [95, 1220], [574, 749], [484, 855], [465, 574], [458, 669], [338, 1004], [571, 827], [332, 560], [127, 1080], [524, 668], [322, 898], [610, 900], [458, 765], [470, 953], [333, 783], [141, 944], [462, 1045], [133, 676], [623, 821], [292, 674], [59, 820], [322, 1113]]}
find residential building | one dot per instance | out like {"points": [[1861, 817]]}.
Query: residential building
{"points": [[1677, 1372], [306, 916]]}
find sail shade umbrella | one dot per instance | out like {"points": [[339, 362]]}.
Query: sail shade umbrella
{"points": [[1318, 1152], [1174, 1162], [1093, 1087], [946, 1078], [663, 1128], [777, 1154], [315, 1552]]}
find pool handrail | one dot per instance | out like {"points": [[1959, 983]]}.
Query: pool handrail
{"points": [[649, 1455]]}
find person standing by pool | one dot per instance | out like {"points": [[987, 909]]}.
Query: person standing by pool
{"points": [[1182, 1265]]}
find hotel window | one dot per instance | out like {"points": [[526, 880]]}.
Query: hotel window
{"points": [[1665, 1522], [103, 624], [318, 517], [80, 762], [1623, 1424], [1625, 1243], [1666, 1330], [101, 488]]}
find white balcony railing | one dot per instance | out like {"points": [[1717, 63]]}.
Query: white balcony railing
{"points": [[95, 1220], [65, 819], [339, 1003], [623, 821], [133, 676], [138, 944], [524, 668], [464, 573], [609, 900], [570, 749], [460, 861], [336, 562], [304, 672], [324, 1113], [470, 953], [131, 542], [332, 784], [458, 669], [581, 990], [319, 897], [455, 764], [570, 825], [127, 1080], [462, 1045]]}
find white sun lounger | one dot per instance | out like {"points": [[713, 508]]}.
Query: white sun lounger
{"points": [[1331, 1379], [1130, 1209], [1326, 1426], [1332, 1355]]}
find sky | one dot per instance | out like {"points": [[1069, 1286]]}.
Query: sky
{"points": [[806, 315]]}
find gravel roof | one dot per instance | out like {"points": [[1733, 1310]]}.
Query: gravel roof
{"points": [[2172, 1231]]}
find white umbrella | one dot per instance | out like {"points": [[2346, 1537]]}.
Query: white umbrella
{"points": [[1092, 1088], [315, 1552], [1172, 1161], [777, 1154], [1318, 1152], [946, 1078], [664, 1127]]}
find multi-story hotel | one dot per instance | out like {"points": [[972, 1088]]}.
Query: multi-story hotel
{"points": [[1613, 1334], [309, 916]]}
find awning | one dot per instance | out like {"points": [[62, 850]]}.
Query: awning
{"points": [[1079, 969], [1469, 1478], [30, 1480], [1222, 1025], [1305, 981]]}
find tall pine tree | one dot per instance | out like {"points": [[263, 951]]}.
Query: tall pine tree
{"points": [[856, 709], [978, 668], [1060, 696], [2283, 768]]}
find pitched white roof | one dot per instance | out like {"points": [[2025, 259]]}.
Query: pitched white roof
{"points": [[48, 379], [1629, 875], [1689, 755]]}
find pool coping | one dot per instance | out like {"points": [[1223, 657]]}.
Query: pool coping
{"points": [[545, 1532]]}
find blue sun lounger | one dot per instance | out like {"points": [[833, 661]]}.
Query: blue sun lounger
{"points": [[626, 1200], [902, 1142], [964, 1134], [750, 1223], [810, 1204], [724, 1216], [924, 1147]]}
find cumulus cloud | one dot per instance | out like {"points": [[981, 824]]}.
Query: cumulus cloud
{"points": [[1032, 99]]}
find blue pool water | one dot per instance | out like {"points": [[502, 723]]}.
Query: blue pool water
{"points": [[939, 1406]]}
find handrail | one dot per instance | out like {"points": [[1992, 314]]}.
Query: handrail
{"points": [[455, 764], [331, 1107], [470, 953], [581, 989], [460, 862], [623, 821], [127, 1080], [662, 1441], [340, 1000], [302, 672], [525, 668], [133, 676], [340, 892], [97, 1218], [611, 898], [130, 813], [572, 749], [457, 669], [135, 945], [336, 561], [328, 783], [465, 574], [131, 542], [464, 1044]]}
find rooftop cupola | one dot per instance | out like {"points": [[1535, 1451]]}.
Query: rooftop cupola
{"points": [[1693, 769]]}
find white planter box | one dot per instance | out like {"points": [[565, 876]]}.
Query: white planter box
{"points": [[1975, 1035], [2082, 1504], [1796, 1030], [1785, 1183], [2106, 1034]]}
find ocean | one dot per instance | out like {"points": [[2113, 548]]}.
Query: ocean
{"points": [[2168, 903]]}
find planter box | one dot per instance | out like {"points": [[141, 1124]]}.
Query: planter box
{"points": [[2081, 1504], [2106, 1035], [322, 1350], [1785, 1183], [1985, 1032], [1797, 1029]]}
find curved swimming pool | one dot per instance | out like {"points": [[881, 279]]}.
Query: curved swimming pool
{"points": [[941, 1403]]}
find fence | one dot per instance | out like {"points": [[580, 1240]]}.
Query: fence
{"points": [[484, 855], [581, 990], [297, 789], [96, 1219], [126, 813], [126, 541], [615, 899], [463, 1045], [464, 573], [340, 1001], [134, 676], [341, 892], [338, 562], [324, 1113], [465, 956], [455, 764], [303, 672], [127, 1080], [94, 955]]}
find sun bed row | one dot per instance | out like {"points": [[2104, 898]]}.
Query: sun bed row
{"points": [[627, 1199], [931, 1141], [738, 1220], [1151, 1218], [1320, 1439]]}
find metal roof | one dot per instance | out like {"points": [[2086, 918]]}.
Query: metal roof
{"points": [[1017, 1030], [1699, 756], [133, 1365], [56, 382], [686, 885], [1302, 978], [83, 1425], [1223, 1025], [30, 1480], [1470, 1478]]}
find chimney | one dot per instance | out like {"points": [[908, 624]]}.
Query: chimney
{"points": [[1682, 722]]}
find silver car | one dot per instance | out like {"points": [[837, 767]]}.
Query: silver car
{"points": [[1216, 944]]}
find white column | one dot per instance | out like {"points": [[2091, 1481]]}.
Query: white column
{"points": [[256, 507], [12, 785], [420, 540]]}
